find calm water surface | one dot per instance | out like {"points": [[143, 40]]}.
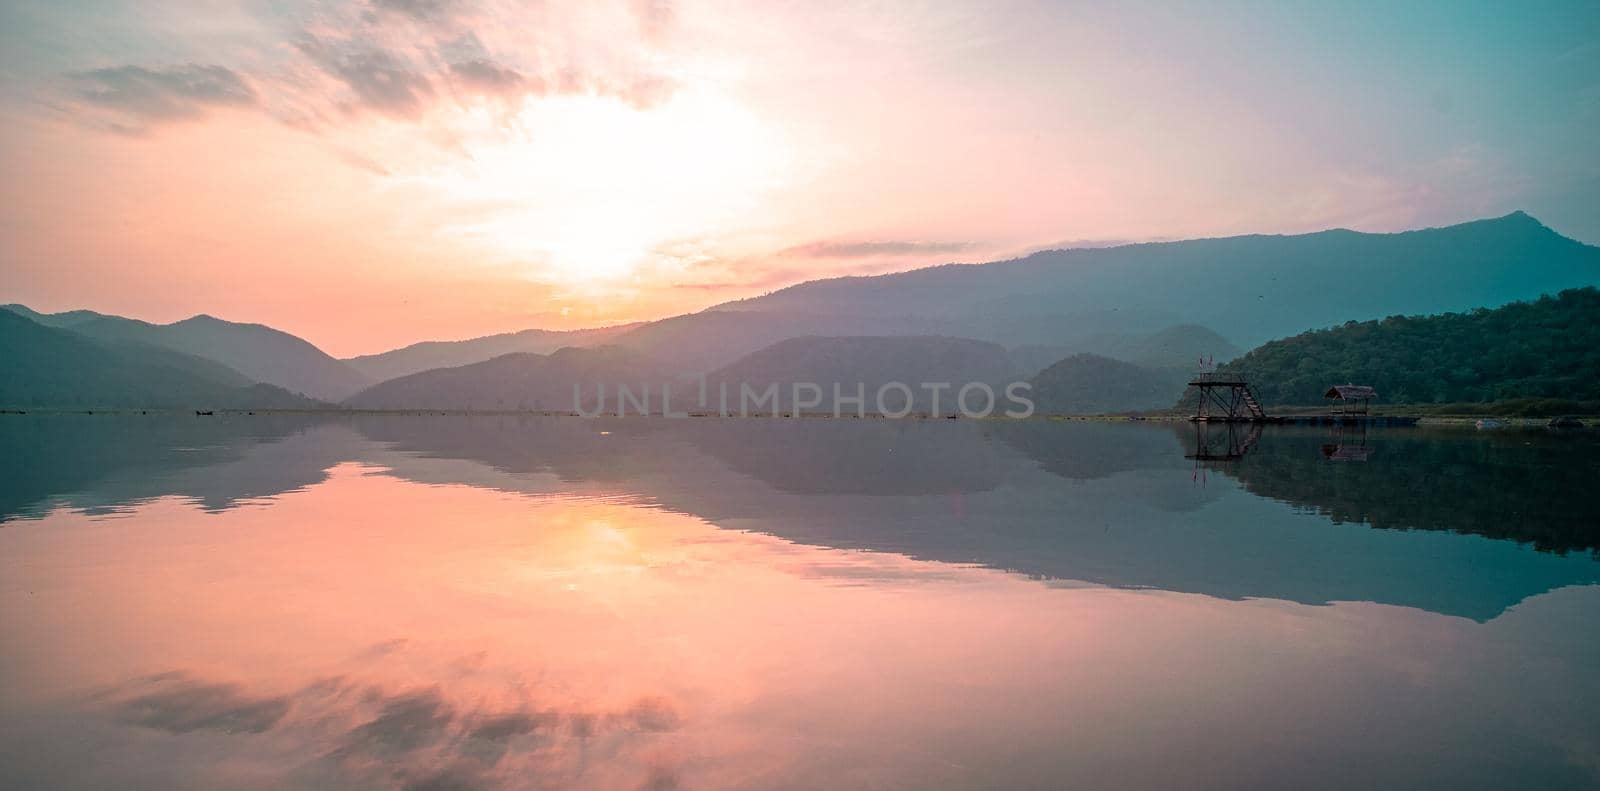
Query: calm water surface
{"points": [[453, 602]]}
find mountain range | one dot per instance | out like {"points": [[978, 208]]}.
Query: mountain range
{"points": [[1156, 306], [428, 355], [1248, 289], [42, 366], [870, 363], [519, 381], [258, 352]]}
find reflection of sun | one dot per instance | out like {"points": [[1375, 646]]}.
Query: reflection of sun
{"points": [[585, 188]]}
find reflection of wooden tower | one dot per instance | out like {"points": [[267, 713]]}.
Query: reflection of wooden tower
{"points": [[1223, 445], [1225, 398]]}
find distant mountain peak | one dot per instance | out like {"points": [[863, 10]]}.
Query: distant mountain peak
{"points": [[1524, 219]]}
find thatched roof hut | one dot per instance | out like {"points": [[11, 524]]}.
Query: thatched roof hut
{"points": [[1351, 393], [1354, 397]]}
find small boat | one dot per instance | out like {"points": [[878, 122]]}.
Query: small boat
{"points": [[1488, 423], [1565, 421], [206, 412]]}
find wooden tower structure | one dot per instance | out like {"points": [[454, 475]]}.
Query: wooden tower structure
{"points": [[1225, 398]]}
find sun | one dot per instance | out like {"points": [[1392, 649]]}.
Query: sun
{"points": [[586, 189]]}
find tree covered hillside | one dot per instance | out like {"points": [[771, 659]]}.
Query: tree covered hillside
{"points": [[1548, 348]]}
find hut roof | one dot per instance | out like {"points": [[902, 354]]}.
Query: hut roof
{"points": [[1346, 452], [1350, 392]]}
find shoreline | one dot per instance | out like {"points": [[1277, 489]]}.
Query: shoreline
{"points": [[1467, 420]]}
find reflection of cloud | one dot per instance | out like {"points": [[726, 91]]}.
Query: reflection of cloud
{"points": [[143, 96], [410, 738], [653, 714], [405, 723], [488, 740], [181, 705]]}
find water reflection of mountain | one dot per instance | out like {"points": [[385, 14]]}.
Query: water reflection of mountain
{"points": [[101, 462], [1532, 487], [1115, 504]]}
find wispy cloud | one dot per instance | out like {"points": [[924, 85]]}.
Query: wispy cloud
{"points": [[400, 60], [138, 97], [880, 249], [424, 10], [380, 80]]}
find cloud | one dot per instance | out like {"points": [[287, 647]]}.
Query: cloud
{"points": [[145, 96], [409, 60], [655, 17], [422, 10], [487, 77], [835, 249], [381, 80], [473, 71]]}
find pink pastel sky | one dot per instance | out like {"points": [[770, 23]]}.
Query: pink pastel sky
{"points": [[371, 174]]}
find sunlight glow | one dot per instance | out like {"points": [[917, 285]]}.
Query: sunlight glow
{"points": [[586, 189]]}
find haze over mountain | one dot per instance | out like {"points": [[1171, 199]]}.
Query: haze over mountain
{"points": [[871, 362], [1248, 289], [1158, 306], [449, 354], [520, 381], [1088, 384], [43, 366], [1179, 347]]}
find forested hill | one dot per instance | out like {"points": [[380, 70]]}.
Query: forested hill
{"points": [[1545, 349]]}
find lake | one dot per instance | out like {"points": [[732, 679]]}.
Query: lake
{"points": [[528, 602]]}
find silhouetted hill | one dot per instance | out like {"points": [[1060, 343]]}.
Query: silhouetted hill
{"points": [[49, 367], [449, 354], [259, 352], [705, 341], [1088, 384], [1246, 288], [521, 381], [255, 350], [871, 362], [1179, 347], [63, 320], [1548, 348], [1176, 347]]}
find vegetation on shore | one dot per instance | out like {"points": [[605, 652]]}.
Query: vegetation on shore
{"points": [[1539, 357]]}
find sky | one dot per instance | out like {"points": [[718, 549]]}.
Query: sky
{"points": [[370, 174]]}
